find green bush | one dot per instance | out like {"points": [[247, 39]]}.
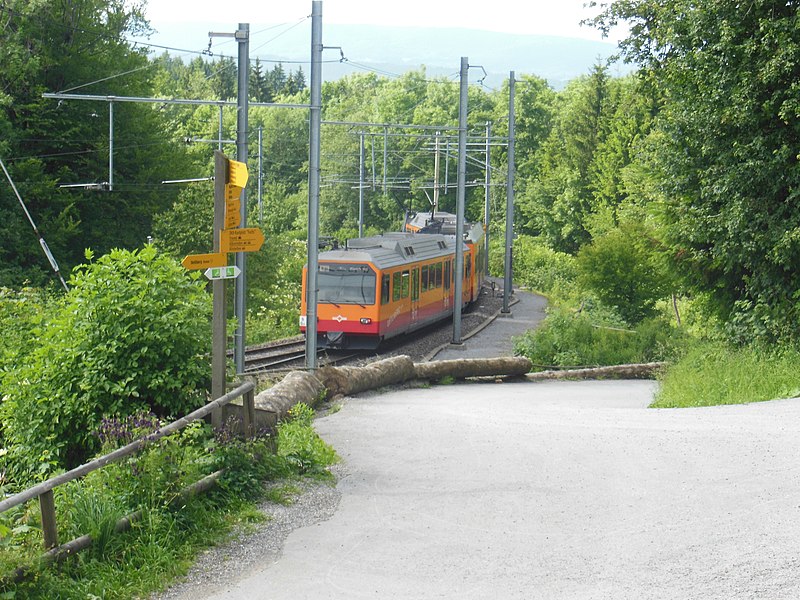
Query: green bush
{"points": [[536, 266], [300, 445], [132, 334], [624, 273], [566, 339], [274, 298], [23, 314]]}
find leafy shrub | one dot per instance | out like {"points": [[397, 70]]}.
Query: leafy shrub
{"points": [[566, 339], [300, 445], [274, 298], [131, 334], [624, 273], [536, 266], [248, 463], [23, 314]]}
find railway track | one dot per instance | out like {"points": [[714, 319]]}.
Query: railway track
{"points": [[285, 354]]}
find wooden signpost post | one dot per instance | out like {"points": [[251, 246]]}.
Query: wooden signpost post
{"points": [[230, 178]]}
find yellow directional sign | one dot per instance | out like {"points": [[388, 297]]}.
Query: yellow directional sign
{"points": [[195, 262], [247, 239], [233, 214], [232, 192], [237, 173]]}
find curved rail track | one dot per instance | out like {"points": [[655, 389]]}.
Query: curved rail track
{"points": [[284, 354]]}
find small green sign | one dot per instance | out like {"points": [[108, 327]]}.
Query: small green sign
{"points": [[223, 272]]}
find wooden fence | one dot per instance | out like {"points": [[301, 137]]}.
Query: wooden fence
{"points": [[44, 490]]}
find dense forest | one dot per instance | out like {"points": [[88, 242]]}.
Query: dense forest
{"points": [[669, 192]]}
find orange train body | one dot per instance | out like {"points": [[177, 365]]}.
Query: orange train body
{"points": [[387, 285]]}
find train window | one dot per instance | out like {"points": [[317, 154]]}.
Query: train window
{"points": [[406, 276], [447, 275], [385, 279], [342, 283], [425, 279], [397, 286], [415, 284], [468, 266], [438, 275]]}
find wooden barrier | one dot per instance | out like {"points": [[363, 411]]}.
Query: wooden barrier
{"points": [[44, 490]]}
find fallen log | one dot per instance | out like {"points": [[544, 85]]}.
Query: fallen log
{"points": [[463, 368], [352, 380], [296, 387], [638, 371]]}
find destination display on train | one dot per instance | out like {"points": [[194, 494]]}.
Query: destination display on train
{"points": [[344, 268]]}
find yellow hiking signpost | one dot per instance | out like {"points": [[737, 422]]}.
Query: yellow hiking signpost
{"points": [[196, 262], [243, 239], [230, 178]]}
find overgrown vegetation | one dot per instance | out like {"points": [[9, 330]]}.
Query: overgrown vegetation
{"points": [[131, 334], [172, 528], [573, 340], [714, 373]]}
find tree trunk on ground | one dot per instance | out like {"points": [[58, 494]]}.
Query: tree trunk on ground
{"points": [[473, 367], [296, 387], [642, 371], [352, 380]]}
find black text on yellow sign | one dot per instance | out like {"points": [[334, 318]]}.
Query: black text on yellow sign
{"points": [[245, 239], [233, 204]]}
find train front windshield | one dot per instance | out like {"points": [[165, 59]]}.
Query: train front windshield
{"points": [[341, 283]]}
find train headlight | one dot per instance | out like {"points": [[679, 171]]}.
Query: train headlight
{"points": [[302, 320], [366, 321]]}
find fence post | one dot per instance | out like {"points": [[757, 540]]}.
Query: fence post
{"points": [[47, 506], [249, 413]]}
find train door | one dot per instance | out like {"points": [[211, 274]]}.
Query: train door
{"points": [[468, 276], [447, 287], [414, 294]]}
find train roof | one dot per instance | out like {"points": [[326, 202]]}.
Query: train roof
{"points": [[393, 249], [441, 222]]}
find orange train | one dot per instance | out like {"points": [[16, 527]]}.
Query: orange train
{"points": [[391, 284]]}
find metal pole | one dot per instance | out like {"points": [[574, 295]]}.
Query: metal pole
{"points": [[313, 184], [460, 197], [372, 147], [436, 177], [507, 282], [219, 142], [447, 166], [385, 147], [110, 146], [361, 187], [260, 175], [243, 38], [487, 203]]}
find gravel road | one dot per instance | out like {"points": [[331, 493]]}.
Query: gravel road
{"points": [[555, 490]]}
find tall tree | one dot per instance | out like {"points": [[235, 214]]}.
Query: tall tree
{"points": [[558, 202], [54, 45], [725, 153]]}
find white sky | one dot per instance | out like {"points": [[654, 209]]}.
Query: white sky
{"points": [[548, 17]]}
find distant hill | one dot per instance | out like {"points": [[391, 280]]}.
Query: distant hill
{"points": [[395, 50]]}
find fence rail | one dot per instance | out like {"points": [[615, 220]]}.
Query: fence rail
{"points": [[44, 490]]}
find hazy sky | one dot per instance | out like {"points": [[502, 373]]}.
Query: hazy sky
{"points": [[550, 17]]}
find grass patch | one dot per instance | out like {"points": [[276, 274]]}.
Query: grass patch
{"points": [[283, 494], [570, 340], [712, 374]]}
